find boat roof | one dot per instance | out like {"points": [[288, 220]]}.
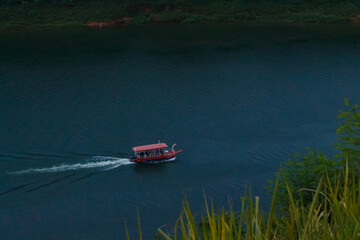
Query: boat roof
{"points": [[149, 147]]}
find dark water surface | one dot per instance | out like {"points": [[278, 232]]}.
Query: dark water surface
{"points": [[239, 100]]}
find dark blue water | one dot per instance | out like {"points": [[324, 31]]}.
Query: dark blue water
{"points": [[239, 100]]}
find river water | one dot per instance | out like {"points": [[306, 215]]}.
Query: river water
{"points": [[238, 99]]}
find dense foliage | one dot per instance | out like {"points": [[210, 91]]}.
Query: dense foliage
{"points": [[27, 13], [301, 173]]}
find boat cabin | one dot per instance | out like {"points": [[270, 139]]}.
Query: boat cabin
{"points": [[152, 150], [154, 153]]}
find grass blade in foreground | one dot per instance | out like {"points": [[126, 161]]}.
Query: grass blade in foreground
{"points": [[333, 214]]}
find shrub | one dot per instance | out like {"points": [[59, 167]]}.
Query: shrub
{"points": [[300, 173], [349, 134]]}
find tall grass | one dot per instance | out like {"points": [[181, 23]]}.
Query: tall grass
{"points": [[334, 213]]}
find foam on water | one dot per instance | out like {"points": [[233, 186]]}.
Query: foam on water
{"points": [[105, 162]]}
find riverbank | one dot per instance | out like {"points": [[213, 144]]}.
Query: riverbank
{"points": [[110, 13]]}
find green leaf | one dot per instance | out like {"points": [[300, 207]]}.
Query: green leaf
{"points": [[344, 114]]}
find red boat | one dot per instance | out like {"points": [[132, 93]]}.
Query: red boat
{"points": [[154, 153]]}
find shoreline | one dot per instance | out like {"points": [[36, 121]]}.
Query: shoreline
{"points": [[110, 13], [15, 26]]}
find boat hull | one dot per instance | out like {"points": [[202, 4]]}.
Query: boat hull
{"points": [[163, 160], [167, 157]]}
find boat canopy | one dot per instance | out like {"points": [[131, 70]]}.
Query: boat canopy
{"points": [[149, 147]]}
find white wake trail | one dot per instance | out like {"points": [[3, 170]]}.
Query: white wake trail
{"points": [[94, 162]]}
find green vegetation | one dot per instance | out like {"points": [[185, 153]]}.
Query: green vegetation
{"points": [[305, 170], [333, 213], [349, 134], [313, 197], [301, 173], [72, 13]]}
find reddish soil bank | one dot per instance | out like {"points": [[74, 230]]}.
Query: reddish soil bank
{"points": [[356, 19], [109, 23]]}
